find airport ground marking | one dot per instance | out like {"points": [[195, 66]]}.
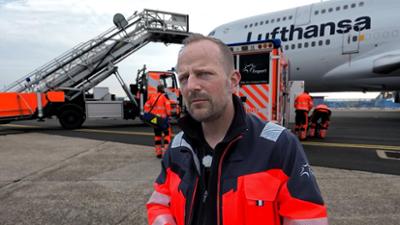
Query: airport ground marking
{"points": [[116, 132], [310, 143], [345, 145], [19, 126], [383, 154]]}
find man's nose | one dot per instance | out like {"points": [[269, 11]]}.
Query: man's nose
{"points": [[193, 83]]}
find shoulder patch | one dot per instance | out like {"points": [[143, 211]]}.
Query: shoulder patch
{"points": [[272, 131], [178, 141]]}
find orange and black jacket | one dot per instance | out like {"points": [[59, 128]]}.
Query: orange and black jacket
{"points": [[303, 102], [259, 175], [159, 104]]}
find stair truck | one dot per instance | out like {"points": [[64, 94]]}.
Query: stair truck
{"points": [[59, 87]]}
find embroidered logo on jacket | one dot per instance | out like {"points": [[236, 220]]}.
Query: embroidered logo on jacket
{"points": [[306, 170]]}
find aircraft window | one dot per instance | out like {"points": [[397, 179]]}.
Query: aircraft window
{"points": [[299, 45], [293, 46], [361, 4], [290, 17], [355, 38], [353, 5], [255, 24], [327, 42], [273, 20], [278, 20], [345, 7], [284, 18], [330, 10], [251, 25], [306, 45], [313, 44], [323, 11], [315, 12], [320, 42], [245, 26], [266, 22], [286, 47], [261, 23], [338, 8]]}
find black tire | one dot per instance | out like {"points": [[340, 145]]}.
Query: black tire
{"points": [[71, 118]]}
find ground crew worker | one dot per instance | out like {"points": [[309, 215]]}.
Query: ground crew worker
{"points": [[160, 105], [320, 119], [228, 167], [303, 104]]}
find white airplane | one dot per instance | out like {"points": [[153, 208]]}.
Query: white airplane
{"points": [[343, 45]]}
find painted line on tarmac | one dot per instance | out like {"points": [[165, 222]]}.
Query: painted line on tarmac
{"points": [[384, 154], [116, 132], [310, 143], [19, 126], [345, 145]]}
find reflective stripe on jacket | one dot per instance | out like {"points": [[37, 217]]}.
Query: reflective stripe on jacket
{"points": [[264, 178], [303, 102], [161, 108]]}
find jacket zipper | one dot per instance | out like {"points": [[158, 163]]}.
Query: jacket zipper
{"points": [[189, 220], [219, 177]]}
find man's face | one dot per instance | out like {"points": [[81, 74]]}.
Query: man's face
{"points": [[205, 86]]}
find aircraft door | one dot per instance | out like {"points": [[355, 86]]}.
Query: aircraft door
{"points": [[351, 43], [303, 15]]}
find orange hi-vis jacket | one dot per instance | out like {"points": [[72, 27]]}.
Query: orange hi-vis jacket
{"points": [[322, 108], [160, 103], [303, 102], [259, 174]]}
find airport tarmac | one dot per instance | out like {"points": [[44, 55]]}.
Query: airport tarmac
{"points": [[357, 139], [52, 176], [52, 179]]}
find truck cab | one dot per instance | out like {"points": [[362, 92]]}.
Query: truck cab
{"points": [[146, 86]]}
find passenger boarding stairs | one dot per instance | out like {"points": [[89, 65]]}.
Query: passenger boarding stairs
{"points": [[89, 63]]}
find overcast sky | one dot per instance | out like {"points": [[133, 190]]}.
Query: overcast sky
{"points": [[32, 32]]}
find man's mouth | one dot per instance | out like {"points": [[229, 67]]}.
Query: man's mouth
{"points": [[200, 100]]}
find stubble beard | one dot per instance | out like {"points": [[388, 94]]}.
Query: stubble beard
{"points": [[208, 112]]}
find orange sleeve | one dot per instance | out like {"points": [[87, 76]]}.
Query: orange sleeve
{"points": [[148, 103], [311, 103]]}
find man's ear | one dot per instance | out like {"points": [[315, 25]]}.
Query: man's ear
{"points": [[235, 79]]}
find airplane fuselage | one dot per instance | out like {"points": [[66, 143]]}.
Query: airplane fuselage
{"points": [[340, 45]]}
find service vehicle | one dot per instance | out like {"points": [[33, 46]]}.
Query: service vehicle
{"points": [[263, 85], [60, 88]]}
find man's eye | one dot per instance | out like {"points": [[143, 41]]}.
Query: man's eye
{"points": [[182, 79], [204, 75]]}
